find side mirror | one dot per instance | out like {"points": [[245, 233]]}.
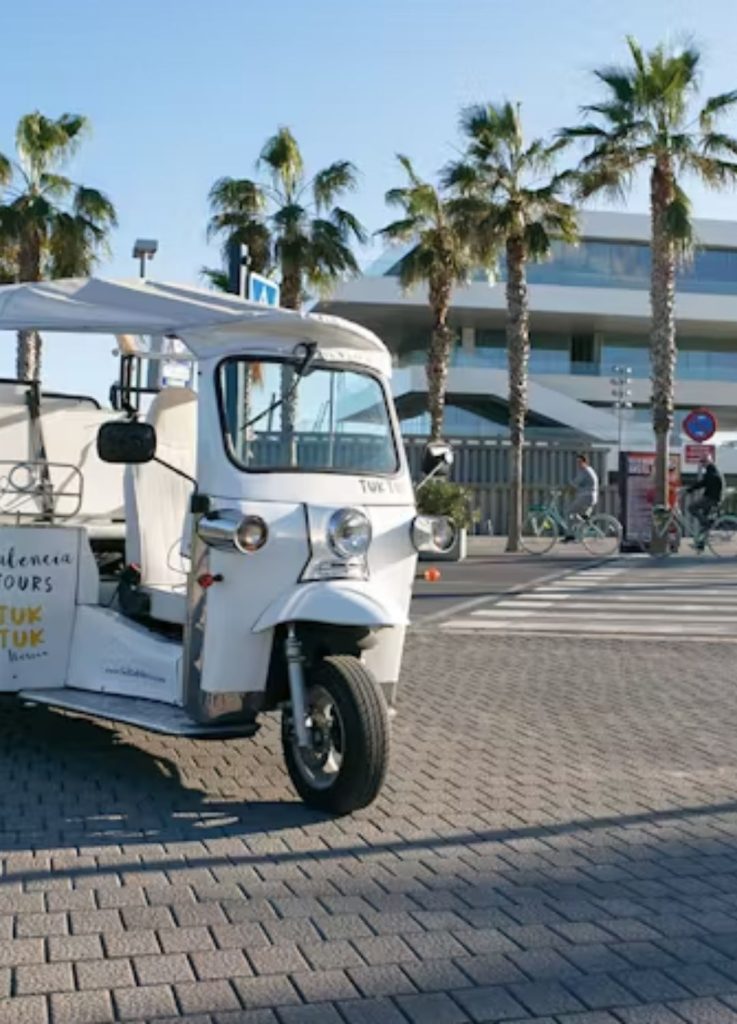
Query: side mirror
{"points": [[126, 442], [437, 458]]}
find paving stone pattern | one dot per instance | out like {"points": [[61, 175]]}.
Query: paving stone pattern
{"points": [[556, 843]]}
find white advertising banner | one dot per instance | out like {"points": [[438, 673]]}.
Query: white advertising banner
{"points": [[38, 587]]}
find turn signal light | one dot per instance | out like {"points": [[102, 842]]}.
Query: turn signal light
{"points": [[207, 579]]}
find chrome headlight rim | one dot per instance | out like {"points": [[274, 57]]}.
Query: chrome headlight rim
{"points": [[250, 535], [436, 534], [339, 521], [229, 529]]}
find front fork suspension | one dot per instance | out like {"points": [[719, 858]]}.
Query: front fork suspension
{"points": [[297, 689]]}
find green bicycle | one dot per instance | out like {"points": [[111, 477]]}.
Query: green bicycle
{"points": [[718, 533], [600, 533]]}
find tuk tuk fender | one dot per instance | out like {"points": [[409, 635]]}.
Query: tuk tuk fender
{"points": [[331, 601]]}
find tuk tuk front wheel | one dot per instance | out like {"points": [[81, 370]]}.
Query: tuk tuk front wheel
{"points": [[344, 768]]}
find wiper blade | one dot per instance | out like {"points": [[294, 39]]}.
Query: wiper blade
{"points": [[304, 367]]}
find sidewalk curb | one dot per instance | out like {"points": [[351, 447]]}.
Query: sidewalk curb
{"points": [[519, 588]]}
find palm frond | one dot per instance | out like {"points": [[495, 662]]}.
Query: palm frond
{"points": [[6, 171], [348, 224], [329, 183], [42, 142], [414, 268], [462, 176], [282, 157], [217, 279], [492, 124], [290, 218], [678, 222], [401, 230], [714, 107], [398, 196], [73, 126], [636, 52], [718, 144], [95, 206], [408, 166], [75, 245], [58, 186], [237, 194], [714, 173], [602, 178], [329, 258], [620, 82], [537, 241]]}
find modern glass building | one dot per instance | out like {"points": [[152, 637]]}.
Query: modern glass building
{"points": [[589, 313]]}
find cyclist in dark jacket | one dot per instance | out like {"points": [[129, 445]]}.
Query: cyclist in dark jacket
{"points": [[711, 482]]}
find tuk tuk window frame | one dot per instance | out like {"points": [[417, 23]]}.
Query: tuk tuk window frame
{"points": [[319, 364]]}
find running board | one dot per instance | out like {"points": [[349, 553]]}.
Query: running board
{"points": [[151, 715]]}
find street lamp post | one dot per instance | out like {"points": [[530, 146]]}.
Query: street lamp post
{"points": [[622, 396], [144, 249]]}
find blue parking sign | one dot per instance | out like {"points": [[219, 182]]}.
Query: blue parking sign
{"points": [[262, 290]]}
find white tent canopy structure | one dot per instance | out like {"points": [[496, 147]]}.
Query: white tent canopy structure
{"points": [[208, 323]]}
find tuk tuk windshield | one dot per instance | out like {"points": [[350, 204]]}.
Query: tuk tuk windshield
{"points": [[330, 420]]}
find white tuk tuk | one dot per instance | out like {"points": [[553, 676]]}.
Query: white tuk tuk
{"points": [[270, 546]]}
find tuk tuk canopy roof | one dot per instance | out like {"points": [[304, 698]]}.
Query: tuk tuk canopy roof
{"points": [[208, 323]]}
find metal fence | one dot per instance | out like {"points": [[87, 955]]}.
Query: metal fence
{"points": [[483, 467], [477, 463]]}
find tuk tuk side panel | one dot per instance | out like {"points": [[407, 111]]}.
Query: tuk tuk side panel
{"points": [[234, 659], [39, 573], [112, 654], [384, 659]]}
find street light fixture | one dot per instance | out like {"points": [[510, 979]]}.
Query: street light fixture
{"points": [[144, 249], [622, 395]]}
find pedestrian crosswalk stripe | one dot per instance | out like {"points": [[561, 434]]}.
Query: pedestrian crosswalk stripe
{"points": [[633, 598]]}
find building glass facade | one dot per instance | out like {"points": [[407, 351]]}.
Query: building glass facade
{"points": [[555, 354], [595, 263]]}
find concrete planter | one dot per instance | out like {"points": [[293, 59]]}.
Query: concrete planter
{"points": [[456, 554]]}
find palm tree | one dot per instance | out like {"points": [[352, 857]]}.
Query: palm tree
{"points": [[50, 226], [291, 223], [440, 257], [647, 120], [514, 201]]}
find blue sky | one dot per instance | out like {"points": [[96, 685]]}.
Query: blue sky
{"points": [[180, 92]]}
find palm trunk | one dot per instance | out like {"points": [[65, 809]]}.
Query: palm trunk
{"points": [[291, 298], [438, 357], [663, 326], [518, 356]]}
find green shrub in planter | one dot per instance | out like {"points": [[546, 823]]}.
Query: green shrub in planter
{"points": [[442, 498]]}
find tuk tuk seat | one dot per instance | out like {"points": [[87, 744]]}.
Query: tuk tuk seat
{"points": [[157, 505]]}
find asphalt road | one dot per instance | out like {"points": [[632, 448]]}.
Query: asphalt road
{"points": [[485, 575]]}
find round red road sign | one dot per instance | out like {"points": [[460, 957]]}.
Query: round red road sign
{"points": [[700, 425]]}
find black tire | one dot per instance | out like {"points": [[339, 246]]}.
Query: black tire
{"points": [[365, 731]]}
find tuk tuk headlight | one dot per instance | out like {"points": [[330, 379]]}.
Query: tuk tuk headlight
{"points": [[433, 533], [228, 529], [251, 534], [349, 533]]}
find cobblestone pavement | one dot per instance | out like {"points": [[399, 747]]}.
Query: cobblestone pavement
{"points": [[556, 843]]}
